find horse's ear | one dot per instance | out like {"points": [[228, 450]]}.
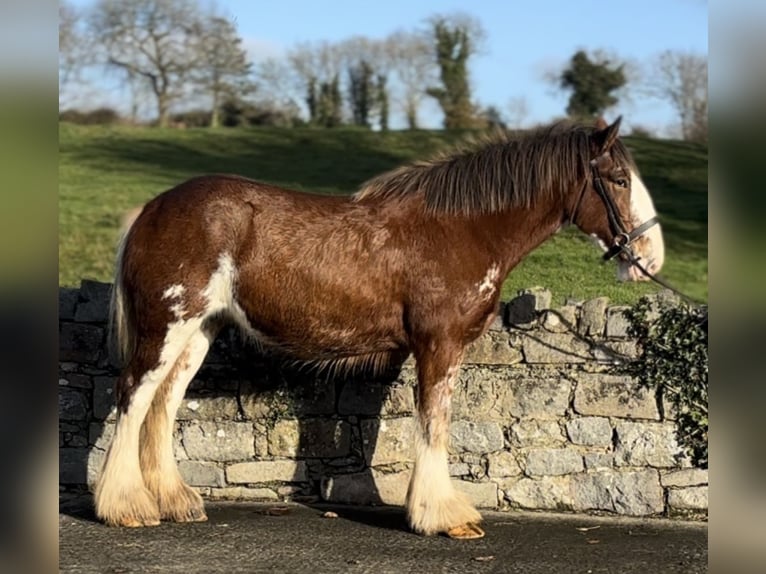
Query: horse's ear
{"points": [[605, 136]]}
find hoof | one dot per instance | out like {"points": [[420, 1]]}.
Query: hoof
{"points": [[181, 504], [130, 522], [466, 531], [191, 515]]}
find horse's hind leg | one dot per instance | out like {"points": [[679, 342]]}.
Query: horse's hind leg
{"points": [[121, 497], [176, 500], [433, 505]]}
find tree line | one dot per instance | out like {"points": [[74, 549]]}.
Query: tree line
{"points": [[182, 56]]}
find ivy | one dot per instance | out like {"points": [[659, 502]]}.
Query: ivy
{"points": [[673, 361]]}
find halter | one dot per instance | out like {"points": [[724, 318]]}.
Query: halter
{"points": [[622, 237]]}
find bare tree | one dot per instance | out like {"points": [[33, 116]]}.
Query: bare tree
{"points": [[222, 66], [317, 68], [278, 82], [455, 39], [153, 39], [414, 63], [518, 111], [69, 41], [681, 79]]}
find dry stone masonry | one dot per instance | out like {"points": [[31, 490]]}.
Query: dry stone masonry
{"points": [[539, 422]]}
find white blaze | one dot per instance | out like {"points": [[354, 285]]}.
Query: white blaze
{"points": [[650, 250]]}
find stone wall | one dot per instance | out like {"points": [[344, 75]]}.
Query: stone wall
{"points": [[538, 420]]}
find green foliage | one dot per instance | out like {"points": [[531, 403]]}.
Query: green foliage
{"points": [[673, 360], [382, 101], [361, 92], [592, 84], [99, 116], [192, 118], [454, 45], [329, 106]]}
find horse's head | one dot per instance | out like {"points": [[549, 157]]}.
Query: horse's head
{"points": [[614, 207]]}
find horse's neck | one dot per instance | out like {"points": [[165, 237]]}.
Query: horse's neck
{"points": [[519, 231]]}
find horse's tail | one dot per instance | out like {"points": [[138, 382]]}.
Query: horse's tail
{"points": [[121, 329]]}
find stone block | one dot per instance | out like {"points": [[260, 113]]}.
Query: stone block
{"points": [[481, 494], [561, 320], [315, 438], [208, 408], [100, 435], [547, 493], [80, 342], [73, 405], [605, 395], [67, 303], [497, 322], [254, 472], [482, 394], [385, 441], [369, 487], [560, 348], [532, 432], [93, 306], [76, 381], [590, 431], [197, 473], [646, 444], [218, 441], [685, 477], [492, 349], [243, 493], [73, 465], [598, 460], [616, 322], [522, 310], [478, 437], [593, 317], [502, 464], [103, 398], [539, 398], [553, 462], [690, 498], [636, 493], [375, 398]]}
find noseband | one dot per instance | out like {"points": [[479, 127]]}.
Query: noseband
{"points": [[622, 237]]}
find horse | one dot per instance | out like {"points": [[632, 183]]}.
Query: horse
{"points": [[412, 263]]}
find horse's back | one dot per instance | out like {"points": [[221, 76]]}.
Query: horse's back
{"points": [[302, 269]]}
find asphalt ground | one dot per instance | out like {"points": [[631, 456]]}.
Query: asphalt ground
{"points": [[292, 538]]}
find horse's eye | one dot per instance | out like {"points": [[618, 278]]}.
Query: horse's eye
{"points": [[622, 183]]}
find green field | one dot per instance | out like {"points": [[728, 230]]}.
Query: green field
{"points": [[104, 171]]}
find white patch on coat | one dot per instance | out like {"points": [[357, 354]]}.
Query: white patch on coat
{"points": [[487, 286], [176, 292], [220, 294]]}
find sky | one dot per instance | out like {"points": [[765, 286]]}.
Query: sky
{"points": [[525, 40]]}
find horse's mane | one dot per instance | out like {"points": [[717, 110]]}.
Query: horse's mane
{"points": [[496, 172]]}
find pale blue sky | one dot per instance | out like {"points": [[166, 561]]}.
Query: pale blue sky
{"points": [[524, 40]]}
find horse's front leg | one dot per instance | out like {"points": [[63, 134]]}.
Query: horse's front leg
{"points": [[433, 504]]}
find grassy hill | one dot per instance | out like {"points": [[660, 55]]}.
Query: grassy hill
{"points": [[104, 171]]}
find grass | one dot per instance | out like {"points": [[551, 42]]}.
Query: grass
{"points": [[104, 171]]}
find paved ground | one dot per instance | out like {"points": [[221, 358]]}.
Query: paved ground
{"points": [[242, 537]]}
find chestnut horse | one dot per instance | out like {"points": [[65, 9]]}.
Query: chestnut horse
{"points": [[412, 263]]}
